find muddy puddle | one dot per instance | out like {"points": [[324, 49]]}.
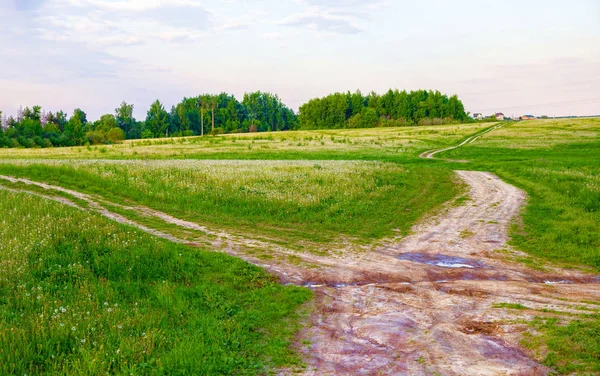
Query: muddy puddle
{"points": [[443, 261]]}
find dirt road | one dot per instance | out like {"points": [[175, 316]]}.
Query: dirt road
{"points": [[435, 312]]}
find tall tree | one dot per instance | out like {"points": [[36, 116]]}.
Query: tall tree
{"points": [[157, 119], [125, 120]]}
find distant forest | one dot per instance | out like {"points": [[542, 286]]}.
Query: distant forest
{"points": [[394, 108], [223, 113]]}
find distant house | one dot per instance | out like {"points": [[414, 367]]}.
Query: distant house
{"points": [[478, 116], [527, 117], [499, 116]]}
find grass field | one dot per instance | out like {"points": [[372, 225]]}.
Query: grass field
{"points": [[308, 200], [83, 295], [397, 144], [318, 187]]}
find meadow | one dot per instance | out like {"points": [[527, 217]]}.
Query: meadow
{"points": [[293, 188], [390, 144], [288, 200], [83, 295]]}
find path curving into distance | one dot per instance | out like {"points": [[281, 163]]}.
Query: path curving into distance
{"points": [[424, 304], [430, 154]]}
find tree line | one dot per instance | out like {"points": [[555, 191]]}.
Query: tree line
{"points": [[394, 108], [223, 113]]}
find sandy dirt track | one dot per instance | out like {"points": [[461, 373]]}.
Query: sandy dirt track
{"points": [[421, 305], [426, 305]]}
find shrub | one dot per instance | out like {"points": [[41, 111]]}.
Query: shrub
{"points": [[147, 134], [115, 135], [96, 137]]}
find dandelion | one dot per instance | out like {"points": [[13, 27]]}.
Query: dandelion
{"points": [[73, 328]]}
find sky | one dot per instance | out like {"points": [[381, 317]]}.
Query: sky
{"points": [[512, 56]]}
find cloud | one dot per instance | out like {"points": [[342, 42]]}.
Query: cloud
{"points": [[322, 23], [333, 16], [122, 23], [28, 5], [322, 20]]}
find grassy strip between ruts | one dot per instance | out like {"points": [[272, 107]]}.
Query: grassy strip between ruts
{"points": [[80, 294]]}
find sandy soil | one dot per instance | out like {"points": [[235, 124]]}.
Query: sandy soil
{"points": [[420, 305]]}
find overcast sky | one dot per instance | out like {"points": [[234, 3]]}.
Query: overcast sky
{"points": [[514, 56]]}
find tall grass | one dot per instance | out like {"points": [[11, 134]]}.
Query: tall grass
{"points": [[82, 295]]}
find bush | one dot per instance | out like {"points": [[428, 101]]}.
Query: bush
{"points": [[115, 135], [147, 134], [30, 143], [96, 137]]}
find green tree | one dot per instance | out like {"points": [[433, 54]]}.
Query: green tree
{"points": [[74, 134], [125, 120], [157, 120], [106, 123]]}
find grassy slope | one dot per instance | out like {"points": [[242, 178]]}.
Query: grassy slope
{"points": [[81, 294]]}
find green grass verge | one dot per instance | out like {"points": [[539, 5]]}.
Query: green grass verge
{"points": [[571, 348]]}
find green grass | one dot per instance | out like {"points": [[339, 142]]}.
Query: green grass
{"points": [[289, 200], [80, 294], [509, 306], [391, 144], [570, 348]]}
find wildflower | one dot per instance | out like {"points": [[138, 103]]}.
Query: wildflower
{"points": [[73, 328]]}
